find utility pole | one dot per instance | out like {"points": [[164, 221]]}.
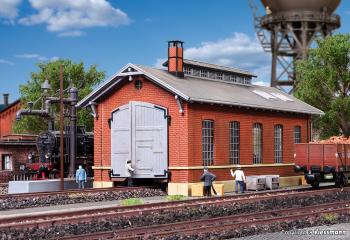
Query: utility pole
{"points": [[61, 129]]}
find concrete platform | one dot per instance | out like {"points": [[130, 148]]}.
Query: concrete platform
{"points": [[42, 185]]}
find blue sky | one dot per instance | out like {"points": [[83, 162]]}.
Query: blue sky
{"points": [[113, 33]]}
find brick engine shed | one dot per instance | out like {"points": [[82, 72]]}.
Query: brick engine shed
{"points": [[14, 148], [171, 123]]}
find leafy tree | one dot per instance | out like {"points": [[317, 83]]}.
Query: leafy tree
{"points": [[73, 73], [323, 80]]}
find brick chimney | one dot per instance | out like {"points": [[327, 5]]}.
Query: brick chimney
{"points": [[6, 99], [175, 58]]}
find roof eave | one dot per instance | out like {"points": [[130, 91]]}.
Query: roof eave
{"points": [[320, 113], [105, 87]]}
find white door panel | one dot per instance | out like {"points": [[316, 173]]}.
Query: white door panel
{"points": [[139, 132], [120, 140]]}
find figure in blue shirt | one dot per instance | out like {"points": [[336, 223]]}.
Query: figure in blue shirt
{"points": [[80, 177]]}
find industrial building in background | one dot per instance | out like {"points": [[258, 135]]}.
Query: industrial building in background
{"points": [[288, 30]]}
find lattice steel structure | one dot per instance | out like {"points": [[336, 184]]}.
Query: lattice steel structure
{"points": [[288, 30]]}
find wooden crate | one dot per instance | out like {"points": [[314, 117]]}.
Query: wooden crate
{"points": [[197, 190], [219, 188]]}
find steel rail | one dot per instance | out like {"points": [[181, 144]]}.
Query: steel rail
{"points": [[219, 223], [76, 216]]}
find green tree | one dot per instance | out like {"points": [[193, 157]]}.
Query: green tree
{"points": [[323, 80], [85, 79]]}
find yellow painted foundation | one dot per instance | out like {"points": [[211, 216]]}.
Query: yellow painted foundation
{"points": [[102, 184], [228, 186]]}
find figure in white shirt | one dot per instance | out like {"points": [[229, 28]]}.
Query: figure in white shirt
{"points": [[129, 172], [240, 178]]}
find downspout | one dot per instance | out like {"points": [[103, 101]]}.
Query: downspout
{"points": [[179, 104]]}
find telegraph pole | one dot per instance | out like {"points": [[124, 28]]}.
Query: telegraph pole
{"points": [[61, 129]]}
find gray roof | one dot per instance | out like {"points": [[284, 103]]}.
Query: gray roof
{"points": [[193, 89], [215, 67]]}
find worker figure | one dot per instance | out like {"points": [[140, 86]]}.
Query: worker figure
{"points": [[208, 179], [240, 178], [268, 10], [80, 177], [129, 172]]}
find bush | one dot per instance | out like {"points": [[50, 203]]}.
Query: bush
{"points": [[176, 197], [131, 201]]}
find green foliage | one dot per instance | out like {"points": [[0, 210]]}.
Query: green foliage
{"points": [[85, 79], [323, 80], [330, 218], [131, 202], [176, 197]]}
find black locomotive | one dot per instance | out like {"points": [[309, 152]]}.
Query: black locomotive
{"points": [[47, 163]]}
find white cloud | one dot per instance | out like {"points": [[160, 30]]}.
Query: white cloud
{"points": [[32, 56], [68, 17], [159, 62], [239, 51], [55, 58], [3, 61], [74, 33], [37, 57], [9, 9]]}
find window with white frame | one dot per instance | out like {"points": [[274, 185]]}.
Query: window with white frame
{"points": [[257, 143], [278, 143], [188, 70], [246, 80], [204, 73], [297, 134], [234, 142], [208, 142], [6, 162], [219, 76], [233, 78]]}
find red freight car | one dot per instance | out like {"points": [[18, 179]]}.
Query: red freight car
{"points": [[323, 162]]}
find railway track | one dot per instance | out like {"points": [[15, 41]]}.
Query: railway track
{"points": [[62, 217], [220, 223]]}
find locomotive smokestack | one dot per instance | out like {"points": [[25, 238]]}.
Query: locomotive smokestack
{"points": [[175, 58]]}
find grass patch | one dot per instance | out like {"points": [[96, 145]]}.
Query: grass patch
{"points": [[76, 195], [176, 197], [131, 201], [330, 217]]}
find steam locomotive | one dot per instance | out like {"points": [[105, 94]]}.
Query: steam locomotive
{"points": [[47, 163]]}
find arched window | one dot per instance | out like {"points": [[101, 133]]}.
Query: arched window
{"points": [[278, 143], [257, 143], [234, 142], [208, 142], [297, 134]]}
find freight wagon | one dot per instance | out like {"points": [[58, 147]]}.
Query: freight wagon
{"points": [[323, 162]]}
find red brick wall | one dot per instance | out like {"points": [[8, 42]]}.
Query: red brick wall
{"points": [[7, 119], [19, 156], [185, 133], [184, 176], [222, 116], [178, 137]]}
